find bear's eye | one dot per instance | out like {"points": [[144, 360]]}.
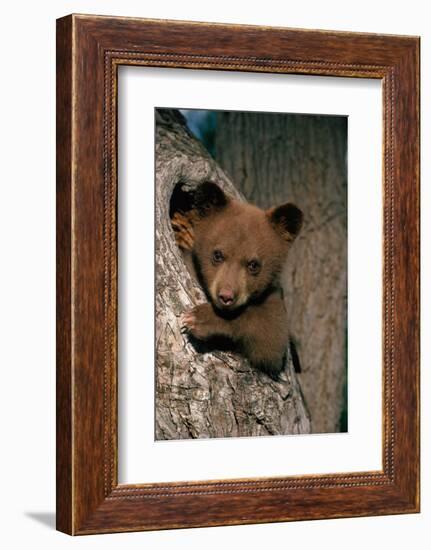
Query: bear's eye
{"points": [[253, 266], [218, 256]]}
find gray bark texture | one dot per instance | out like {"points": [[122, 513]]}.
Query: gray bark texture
{"points": [[212, 394], [275, 158]]}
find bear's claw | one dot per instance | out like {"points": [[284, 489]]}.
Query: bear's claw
{"points": [[187, 321]]}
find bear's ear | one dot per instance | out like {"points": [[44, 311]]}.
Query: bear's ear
{"points": [[286, 220], [209, 198]]}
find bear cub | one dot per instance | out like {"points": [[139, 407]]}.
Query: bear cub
{"points": [[238, 251]]}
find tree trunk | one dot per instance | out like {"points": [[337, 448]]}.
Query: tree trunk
{"points": [[274, 158], [213, 394]]}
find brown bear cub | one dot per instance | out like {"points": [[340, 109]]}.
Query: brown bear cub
{"points": [[238, 252]]}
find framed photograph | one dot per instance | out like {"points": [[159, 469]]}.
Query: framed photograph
{"points": [[237, 274]]}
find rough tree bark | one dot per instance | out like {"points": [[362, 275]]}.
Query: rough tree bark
{"points": [[213, 394], [274, 158]]}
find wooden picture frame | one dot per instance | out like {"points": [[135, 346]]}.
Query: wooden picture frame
{"points": [[89, 51]]}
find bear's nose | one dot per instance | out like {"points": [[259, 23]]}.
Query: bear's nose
{"points": [[226, 296]]}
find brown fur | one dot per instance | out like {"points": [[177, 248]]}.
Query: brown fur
{"points": [[182, 224], [238, 251]]}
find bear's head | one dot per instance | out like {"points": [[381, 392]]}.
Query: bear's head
{"points": [[239, 250]]}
